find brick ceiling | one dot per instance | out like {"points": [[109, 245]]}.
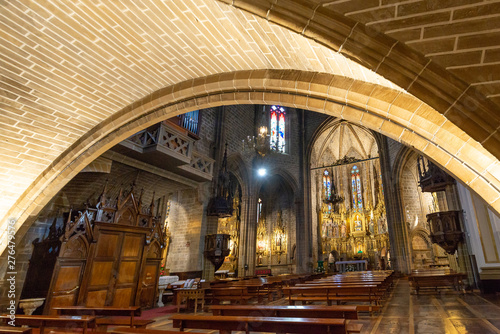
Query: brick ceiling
{"points": [[69, 68]]}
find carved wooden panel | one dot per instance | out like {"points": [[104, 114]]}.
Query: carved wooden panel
{"points": [[65, 285], [132, 245], [75, 248], [109, 242], [101, 273], [122, 297], [148, 284], [96, 298], [107, 245], [127, 272]]}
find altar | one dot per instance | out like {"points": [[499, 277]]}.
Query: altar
{"points": [[163, 283], [358, 265]]}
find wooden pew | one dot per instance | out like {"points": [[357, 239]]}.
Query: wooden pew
{"points": [[15, 330], [257, 289], [437, 279], [128, 330], [338, 294], [349, 312], [58, 321], [108, 315], [308, 311], [226, 324], [231, 294]]}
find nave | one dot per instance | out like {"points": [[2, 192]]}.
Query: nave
{"points": [[430, 312]]}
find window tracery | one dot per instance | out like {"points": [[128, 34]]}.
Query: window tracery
{"points": [[327, 184], [278, 128], [357, 198]]}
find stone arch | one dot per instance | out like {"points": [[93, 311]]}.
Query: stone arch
{"points": [[419, 254], [421, 233], [237, 167], [459, 101], [393, 113]]}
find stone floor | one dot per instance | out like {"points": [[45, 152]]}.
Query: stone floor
{"points": [[431, 312]]}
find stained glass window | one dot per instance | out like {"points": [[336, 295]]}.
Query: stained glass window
{"points": [[327, 184], [357, 198], [278, 123]]}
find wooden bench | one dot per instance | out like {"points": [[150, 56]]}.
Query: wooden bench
{"points": [[436, 280], [128, 330], [58, 321], [311, 311], [231, 294], [15, 330], [108, 315], [260, 290], [338, 294], [226, 324]]}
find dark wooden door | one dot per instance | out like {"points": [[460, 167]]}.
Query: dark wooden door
{"points": [[65, 284], [128, 269], [115, 268], [148, 284]]}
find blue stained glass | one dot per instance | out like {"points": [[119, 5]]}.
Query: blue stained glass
{"points": [[328, 187], [278, 133], [357, 198], [281, 133], [354, 192], [324, 185], [360, 198], [274, 134]]}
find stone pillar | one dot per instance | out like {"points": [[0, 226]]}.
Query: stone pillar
{"points": [[248, 231], [463, 257], [398, 230], [208, 267]]}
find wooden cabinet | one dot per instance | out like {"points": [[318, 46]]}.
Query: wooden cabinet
{"points": [[110, 256]]}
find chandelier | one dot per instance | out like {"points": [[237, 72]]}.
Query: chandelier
{"points": [[263, 144], [260, 144], [332, 197]]}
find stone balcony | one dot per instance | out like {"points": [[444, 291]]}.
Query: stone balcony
{"points": [[168, 148]]}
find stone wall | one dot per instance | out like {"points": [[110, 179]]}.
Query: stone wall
{"points": [[187, 216]]}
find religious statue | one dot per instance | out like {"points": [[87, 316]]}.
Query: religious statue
{"points": [[335, 231], [357, 224], [279, 237]]}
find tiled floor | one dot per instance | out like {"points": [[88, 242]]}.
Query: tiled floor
{"points": [[427, 313]]}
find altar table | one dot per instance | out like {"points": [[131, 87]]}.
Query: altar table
{"points": [[358, 265]]}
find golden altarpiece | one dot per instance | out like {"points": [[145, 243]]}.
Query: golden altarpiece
{"points": [[352, 214], [231, 226]]}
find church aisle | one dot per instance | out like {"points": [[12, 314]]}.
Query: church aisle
{"points": [[446, 312]]}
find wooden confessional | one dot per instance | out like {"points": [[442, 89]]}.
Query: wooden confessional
{"points": [[110, 256]]}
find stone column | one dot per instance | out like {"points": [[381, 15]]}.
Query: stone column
{"points": [[463, 257], [398, 231], [208, 267]]}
